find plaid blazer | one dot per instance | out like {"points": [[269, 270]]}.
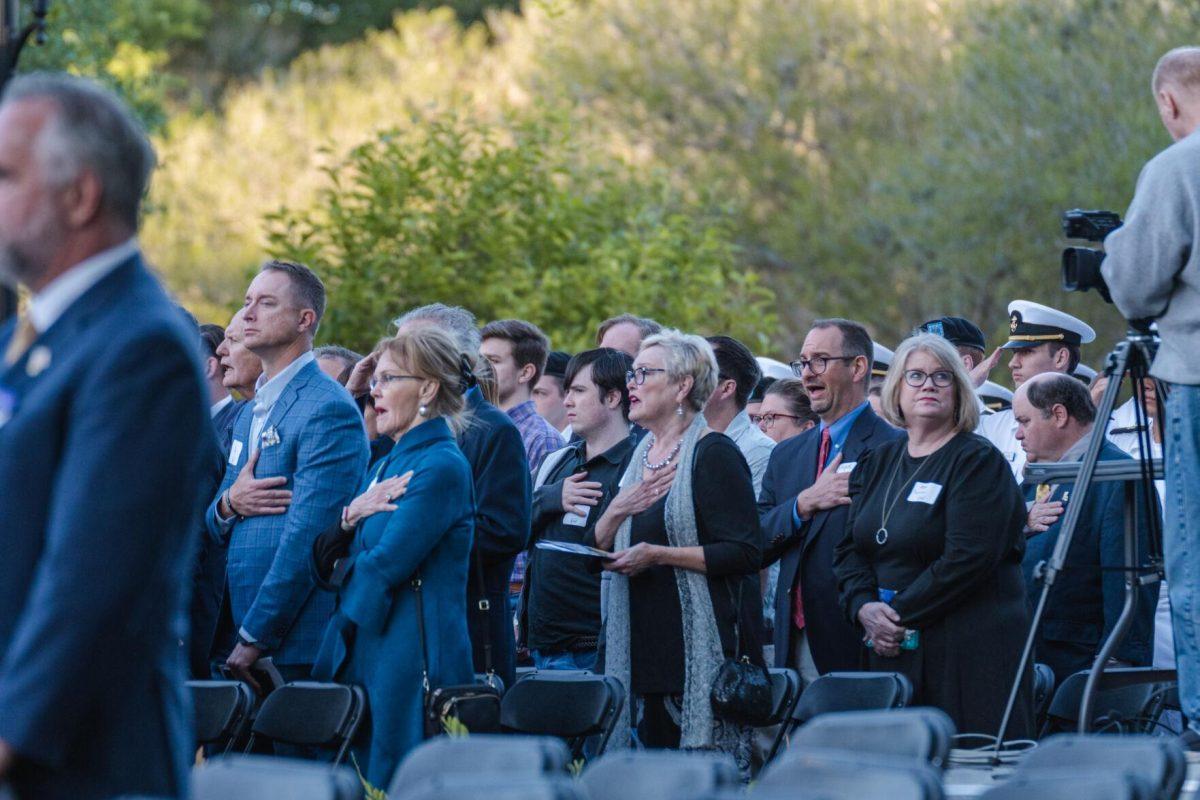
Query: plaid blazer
{"points": [[322, 451]]}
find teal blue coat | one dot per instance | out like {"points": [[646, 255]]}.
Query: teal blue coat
{"points": [[372, 639]]}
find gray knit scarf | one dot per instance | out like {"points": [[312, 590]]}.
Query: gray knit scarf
{"points": [[702, 652]]}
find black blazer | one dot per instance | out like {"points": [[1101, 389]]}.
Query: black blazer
{"points": [[807, 551], [503, 506]]}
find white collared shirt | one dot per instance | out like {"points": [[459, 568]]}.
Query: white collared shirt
{"points": [[1001, 430], [50, 303], [755, 445], [267, 392], [216, 407]]}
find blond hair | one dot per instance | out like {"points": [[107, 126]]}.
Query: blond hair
{"points": [[687, 354], [433, 354], [966, 410]]}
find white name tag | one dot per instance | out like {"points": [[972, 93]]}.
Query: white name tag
{"points": [[235, 452], [847, 466], [925, 493], [577, 520]]}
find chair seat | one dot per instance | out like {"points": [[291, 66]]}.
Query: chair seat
{"points": [[516, 757], [658, 775]]}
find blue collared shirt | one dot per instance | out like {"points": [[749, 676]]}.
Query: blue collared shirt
{"points": [[838, 431]]}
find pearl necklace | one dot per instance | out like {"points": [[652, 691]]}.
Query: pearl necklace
{"points": [[665, 462]]}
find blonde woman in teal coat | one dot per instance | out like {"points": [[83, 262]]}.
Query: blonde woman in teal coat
{"points": [[412, 518]]}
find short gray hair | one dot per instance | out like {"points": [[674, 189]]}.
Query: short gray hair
{"points": [[966, 406], [91, 129], [454, 320], [687, 355]]}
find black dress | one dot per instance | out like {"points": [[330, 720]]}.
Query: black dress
{"points": [[952, 554], [727, 524]]}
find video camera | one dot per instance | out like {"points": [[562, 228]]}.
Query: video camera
{"points": [[1081, 265]]}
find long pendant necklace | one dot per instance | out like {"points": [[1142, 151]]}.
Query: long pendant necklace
{"points": [[881, 535], [665, 462]]}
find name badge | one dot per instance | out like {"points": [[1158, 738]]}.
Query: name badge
{"points": [[925, 493], [577, 520], [235, 452], [847, 466]]}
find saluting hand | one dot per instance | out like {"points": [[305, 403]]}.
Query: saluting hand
{"points": [[378, 498], [256, 497], [577, 494], [359, 382], [985, 367]]}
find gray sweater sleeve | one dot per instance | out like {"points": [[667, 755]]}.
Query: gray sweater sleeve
{"points": [[1146, 255]]}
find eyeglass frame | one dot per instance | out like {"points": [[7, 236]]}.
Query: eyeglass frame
{"points": [[798, 365], [385, 380], [927, 377], [762, 418], [631, 375]]}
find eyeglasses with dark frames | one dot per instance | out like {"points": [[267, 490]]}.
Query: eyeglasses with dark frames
{"points": [[916, 378], [816, 365], [768, 420], [638, 376]]}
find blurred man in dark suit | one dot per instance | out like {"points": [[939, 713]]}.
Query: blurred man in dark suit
{"points": [[103, 430]]}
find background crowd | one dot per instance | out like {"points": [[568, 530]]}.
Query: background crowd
{"points": [[377, 518]]}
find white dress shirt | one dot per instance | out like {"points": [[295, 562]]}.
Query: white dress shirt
{"points": [[50, 303], [216, 407], [755, 445], [267, 392]]}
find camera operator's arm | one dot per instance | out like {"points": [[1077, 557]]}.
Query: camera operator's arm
{"points": [[1146, 254]]}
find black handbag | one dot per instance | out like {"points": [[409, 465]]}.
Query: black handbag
{"points": [[741, 692], [474, 707]]}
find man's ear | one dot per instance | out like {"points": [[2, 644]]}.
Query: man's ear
{"points": [[308, 321], [525, 374], [82, 199], [212, 367]]}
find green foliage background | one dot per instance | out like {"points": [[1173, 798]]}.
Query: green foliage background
{"points": [[741, 165]]}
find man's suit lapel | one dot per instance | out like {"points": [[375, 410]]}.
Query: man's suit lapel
{"points": [[55, 342], [857, 439], [287, 398]]}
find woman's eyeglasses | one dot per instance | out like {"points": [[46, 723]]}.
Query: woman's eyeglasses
{"points": [[389, 378], [638, 376], [768, 420], [916, 378]]}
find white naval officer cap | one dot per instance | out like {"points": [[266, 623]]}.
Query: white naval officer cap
{"points": [[771, 368], [1031, 324], [1085, 374], [881, 360], [995, 396]]}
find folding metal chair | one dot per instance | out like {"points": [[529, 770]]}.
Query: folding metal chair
{"points": [[569, 705], [845, 691], [1071, 784], [310, 714], [514, 758], [659, 775], [785, 694], [1159, 760], [810, 772], [221, 711], [242, 777], [1129, 700], [1043, 691], [923, 734], [494, 787]]}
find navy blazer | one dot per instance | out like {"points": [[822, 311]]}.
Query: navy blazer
{"points": [[1089, 593], [503, 508], [104, 422], [807, 551]]}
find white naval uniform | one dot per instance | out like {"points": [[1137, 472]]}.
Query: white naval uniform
{"points": [[1000, 429]]}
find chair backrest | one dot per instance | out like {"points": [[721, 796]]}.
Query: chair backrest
{"points": [[221, 710], [1072, 784], [1043, 688], [659, 775], [1122, 709], [838, 775], [785, 693], [570, 705], [311, 714], [853, 691], [514, 757], [924, 734], [493, 787], [242, 777], [1159, 760]]}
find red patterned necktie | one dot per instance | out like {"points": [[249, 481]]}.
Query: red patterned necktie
{"points": [[798, 597]]}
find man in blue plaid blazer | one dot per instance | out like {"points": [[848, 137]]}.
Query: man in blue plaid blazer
{"points": [[298, 452]]}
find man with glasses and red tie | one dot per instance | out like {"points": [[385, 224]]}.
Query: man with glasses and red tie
{"points": [[805, 495]]}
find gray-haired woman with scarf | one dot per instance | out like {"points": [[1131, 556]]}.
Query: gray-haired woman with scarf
{"points": [[684, 531]]}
